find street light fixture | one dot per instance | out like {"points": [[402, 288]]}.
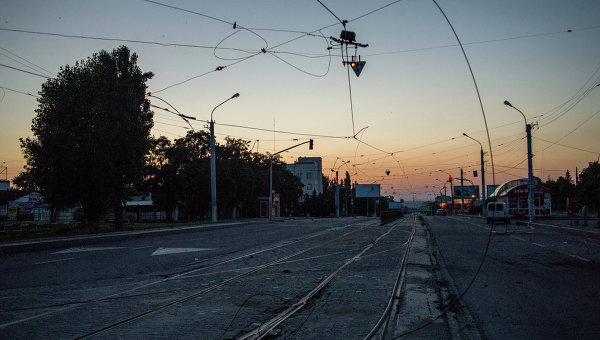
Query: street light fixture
{"points": [[529, 164], [482, 168], [213, 171]]}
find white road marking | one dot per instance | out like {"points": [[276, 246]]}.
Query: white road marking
{"points": [[520, 238], [539, 245], [581, 258], [145, 247], [44, 262], [168, 251], [83, 249]]}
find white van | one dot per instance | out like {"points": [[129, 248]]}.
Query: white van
{"points": [[497, 211]]}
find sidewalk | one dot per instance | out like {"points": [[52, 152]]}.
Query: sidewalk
{"points": [[568, 226], [83, 240], [573, 227]]}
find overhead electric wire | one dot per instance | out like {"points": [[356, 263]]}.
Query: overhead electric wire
{"points": [[526, 36], [39, 68], [234, 24], [279, 131], [219, 68], [351, 106], [476, 88], [566, 146], [166, 44], [558, 114], [21, 92], [20, 63], [327, 8], [493, 177], [573, 130], [21, 70]]}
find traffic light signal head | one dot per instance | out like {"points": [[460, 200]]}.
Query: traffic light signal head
{"points": [[449, 178], [310, 144]]}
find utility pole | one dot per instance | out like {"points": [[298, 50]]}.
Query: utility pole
{"points": [[530, 184], [213, 170], [310, 147], [462, 194], [337, 189], [482, 168], [337, 195], [451, 193]]}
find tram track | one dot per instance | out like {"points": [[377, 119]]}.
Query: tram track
{"points": [[381, 328], [51, 309], [224, 282], [267, 328]]}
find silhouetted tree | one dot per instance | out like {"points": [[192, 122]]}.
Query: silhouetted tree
{"points": [[589, 185], [179, 175], [91, 134], [560, 190]]}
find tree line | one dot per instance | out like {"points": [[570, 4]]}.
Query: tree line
{"points": [[569, 196], [92, 149]]}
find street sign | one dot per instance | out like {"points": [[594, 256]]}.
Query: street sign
{"points": [[466, 191], [357, 66]]}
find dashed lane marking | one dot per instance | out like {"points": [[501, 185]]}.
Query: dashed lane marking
{"points": [[83, 249], [581, 258], [539, 245], [52, 261], [168, 251]]}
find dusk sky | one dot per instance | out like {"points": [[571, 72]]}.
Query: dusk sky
{"points": [[411, 104]]}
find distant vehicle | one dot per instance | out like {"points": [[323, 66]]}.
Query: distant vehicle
{"points": [[440, 212], [497, 211]]}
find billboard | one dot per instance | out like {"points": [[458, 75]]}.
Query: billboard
{"points": [[367, 190], [466, 191]]}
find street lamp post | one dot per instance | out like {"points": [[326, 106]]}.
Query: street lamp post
{"points": [[310, 147], [337, 189], [482, 168], [213, 171], [445, 194], [529, 164], [451, 189]]}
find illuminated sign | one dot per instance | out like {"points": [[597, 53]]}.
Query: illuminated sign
{"points": [[466, 191]]}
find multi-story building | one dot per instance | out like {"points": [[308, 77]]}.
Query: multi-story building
{"points": [[309, 170]]}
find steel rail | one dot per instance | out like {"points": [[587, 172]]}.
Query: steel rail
{"points": [[383, 322], [264, 329], [214, 286]]}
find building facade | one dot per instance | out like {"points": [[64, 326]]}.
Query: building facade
{"points": [[310, 172]]}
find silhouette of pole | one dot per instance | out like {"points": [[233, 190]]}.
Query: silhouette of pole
{"points": [[529, 164], [213, 170]]}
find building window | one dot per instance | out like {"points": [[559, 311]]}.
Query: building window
{"points": [[299, 175], [309, 175], [309, 187]]}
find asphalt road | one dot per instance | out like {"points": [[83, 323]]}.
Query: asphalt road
{"points": [[541, 285], [209, 284]]}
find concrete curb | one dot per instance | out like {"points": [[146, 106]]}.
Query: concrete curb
{"points": [[84, 240]]}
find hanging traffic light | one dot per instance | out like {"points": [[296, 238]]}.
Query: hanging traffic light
{"points": [[310, 144], [450, 178]]}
